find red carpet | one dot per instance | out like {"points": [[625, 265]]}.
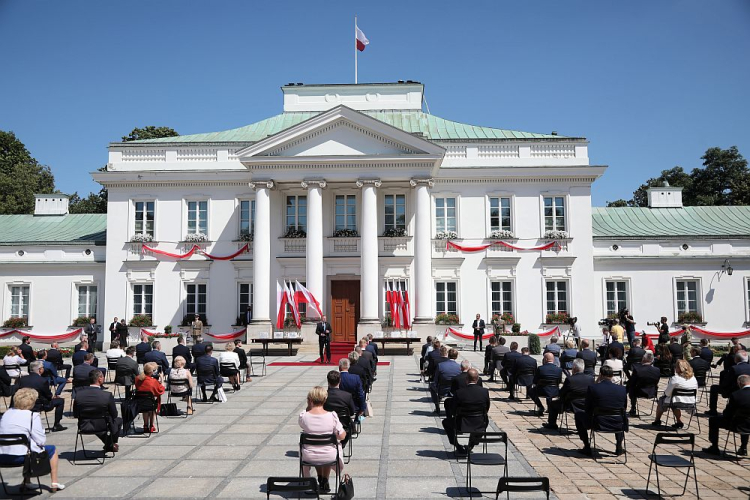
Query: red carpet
{"points": [[314, 363]]}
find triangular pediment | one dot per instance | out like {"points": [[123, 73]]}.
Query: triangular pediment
{"points": [[341, 132]]}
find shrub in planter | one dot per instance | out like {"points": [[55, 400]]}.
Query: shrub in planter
{"points": [[557, 318], [387, 321], [345, 233], [81, 321], [395, 232], [168, 329], [293, 232], [535, 344], [247, 236], [141, 320], [516, 328], [446, 319], [19, 322], [690, 317], [188, 319], [289, 323], [446, 235]]}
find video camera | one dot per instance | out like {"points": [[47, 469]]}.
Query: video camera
{"points": [[608, 322], [657, 324]]}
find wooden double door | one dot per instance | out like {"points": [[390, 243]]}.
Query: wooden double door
{"points": [[344, 310]]}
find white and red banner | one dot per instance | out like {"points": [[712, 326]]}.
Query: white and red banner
{"points": [[398, 304], [43, 337], [470, 336], [281, 301], [227, 336], [361, 39], [195, 249], [292, 304], [303, 296], [720, 335], [466, 248]]}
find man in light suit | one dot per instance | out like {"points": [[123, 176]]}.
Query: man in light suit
{"points": [[323, 331], [478, 326]]}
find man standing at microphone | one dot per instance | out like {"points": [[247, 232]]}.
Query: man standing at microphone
{"points": [[323, 330]]}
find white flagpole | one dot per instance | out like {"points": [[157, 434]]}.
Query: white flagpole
{"points": [[355, 49]]}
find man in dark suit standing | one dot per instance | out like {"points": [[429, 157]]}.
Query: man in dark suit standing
{"points": [[366, 364], [182, 350], [123, 333], [675, 349], [643, 381], [478, 326], [353, 385], [46, 401], [635, 355], [572, 394], [55, 357], [368, 355], [523, 373], [509, 363], [141, 349], [603, 394], [739, 401], [323, 330], [247, 316], [207, 368], [92, 401], [113, 330], [26, 350], [588, 356], [472, 398], [92, 331], [371, 345], [337, 400], [728, 381], [156, 356], [127, 370], [706, 352], [547, 379]]}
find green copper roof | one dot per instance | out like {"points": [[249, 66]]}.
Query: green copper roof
{"points": [[692, 222], [53, 229], [413, 122]]}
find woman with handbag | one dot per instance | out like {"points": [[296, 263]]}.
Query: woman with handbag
{"points": [[179, 372], [145, 382], [21, 420]]}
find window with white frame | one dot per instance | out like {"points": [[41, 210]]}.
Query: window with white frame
{"points": [[195, 300], [245, 298], [688, 292], [296, 213], [346, 212], [144, 218], [445, 214], [500, 218], [395, 212], [197, 217], [502, 297], [392, 285], [554, 213], [143, 299], [557, 297], [617, 296], [87, 298], [247, 217], [19, 301], [446, 297]]}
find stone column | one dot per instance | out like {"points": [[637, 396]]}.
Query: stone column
{"points": [[262, 254], [369, 261], [314, 255], [422, 252]]}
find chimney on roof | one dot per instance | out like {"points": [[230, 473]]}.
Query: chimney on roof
{"points": [[665, 196], [554, 132], [51, 204]]}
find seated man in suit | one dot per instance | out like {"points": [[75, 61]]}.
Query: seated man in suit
{"points": [[92, 401], [141, 349], [371, 345], [675, 349], [441, 384], [426, 347], [433, 359], [5, 383], [547, 379], [460, 381], [739, 401], [52, 374], [337, 400], [603, 394], [365, 365], [156, 356], [182, 350], [46, 401], [553, 348], [643, 381], [567, 356], [353, 385], [588, 356], [240, 352], [706, 352], [207, 369], [700, 367], [54, 356], [81, 372], [523, 374], [80, 354], [509, 362], [356, 369], [369, 356], [728, 381], [488, 367], [127, 370], [635, 355], [498, 354], [472, 398], [26, 350], [615, 345], [199, 348], [572, 394]]}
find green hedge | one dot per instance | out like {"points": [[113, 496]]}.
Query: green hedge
{"points": [[535, 344]]}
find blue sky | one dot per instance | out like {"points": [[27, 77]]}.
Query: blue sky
{"points": [[650, 84]]}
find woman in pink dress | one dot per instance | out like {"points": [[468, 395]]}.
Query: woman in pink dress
{"points": [[316, 420]]}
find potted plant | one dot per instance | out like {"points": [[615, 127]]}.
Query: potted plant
{"points": [[17, 322], [560, 318], [168, 329], [345, 233], [556, 235], [81, 321], [446, 319], [516, 328], [690, 317], [196, 238], [141, 238], [502, 234], [141, 320], [245, 236], [446, 235], [293, 232], [394, 232], [535, 344]]}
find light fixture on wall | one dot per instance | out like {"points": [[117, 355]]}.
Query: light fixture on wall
{"points": [[726, 267]]}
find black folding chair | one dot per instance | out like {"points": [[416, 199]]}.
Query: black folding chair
{"points": [[617, 375], [90, 417], [521, 485], [690, 407], [278, 485], [319, 440], [675, 458], [485, 457], [16, 440], [228, 370], [526, 372], [741, 426], [569, 405], [260, 360], [147, 402], [596, 427], [13, 379], [180, 382], [497, 365], [443, 391], [640, 387], [111, 368], [345, 417], [202, 386], [464, 414]]}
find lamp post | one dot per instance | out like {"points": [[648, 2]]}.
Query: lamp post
{"points": [[726, 267]]}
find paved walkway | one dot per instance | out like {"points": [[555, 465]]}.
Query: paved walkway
{"points": [[228, 450]]}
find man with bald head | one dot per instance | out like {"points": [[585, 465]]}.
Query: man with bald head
{"points": [[471, 399], [547, 379]]}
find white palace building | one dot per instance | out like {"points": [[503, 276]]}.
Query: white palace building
{"points": [[347, 191]]}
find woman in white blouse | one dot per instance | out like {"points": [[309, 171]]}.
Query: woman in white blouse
{"points": [[13, 358], [231, 372], [682, 379], [114, 351], [615, 361]]}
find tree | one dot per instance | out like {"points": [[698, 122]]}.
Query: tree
{"points": [[149, 132], [618, 203], [674, 176], [723, 180], [21, 176]]}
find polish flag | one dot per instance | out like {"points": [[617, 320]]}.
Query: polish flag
{"points": [[303, 295], [292, 304], [407, 310], [397, 307], [281, 301], [362, 40]]}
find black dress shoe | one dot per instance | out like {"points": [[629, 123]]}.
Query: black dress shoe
{"points": [[619, 451], [586, 450], [712, 450], [547, 425], [633, 413], [712, 413], [677, 425], [58, 428], [742, 452]]}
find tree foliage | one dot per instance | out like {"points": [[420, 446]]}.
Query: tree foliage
{"points": [[149, 132], [723, 180], [21, 176]]}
